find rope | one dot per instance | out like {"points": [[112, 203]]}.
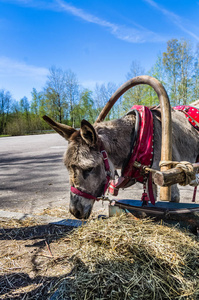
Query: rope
{"points": [[184, 165], [168, 163]]}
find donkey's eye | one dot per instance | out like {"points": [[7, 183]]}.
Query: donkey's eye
{"points": [[87, 172]]}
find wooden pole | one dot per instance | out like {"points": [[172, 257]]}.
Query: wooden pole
{"points": [[166, 148]]}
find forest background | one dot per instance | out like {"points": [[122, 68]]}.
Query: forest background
{"points": [[66, 101]]}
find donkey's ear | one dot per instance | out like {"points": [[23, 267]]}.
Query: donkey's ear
{"points": [[88, 133], [64, 130]]}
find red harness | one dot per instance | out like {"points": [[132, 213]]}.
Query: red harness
{"points": [[192, 113], [142, 155], [143, 150]]}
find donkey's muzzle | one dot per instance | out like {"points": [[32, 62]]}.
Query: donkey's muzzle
{"points": [[80, 207]]}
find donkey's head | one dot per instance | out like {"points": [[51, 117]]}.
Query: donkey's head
{"points": [[85, 164]]}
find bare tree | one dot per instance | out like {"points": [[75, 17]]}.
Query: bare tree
{"points": [[134, 95], [72, 93], [55, 93], [61, 93], [102, 95]]}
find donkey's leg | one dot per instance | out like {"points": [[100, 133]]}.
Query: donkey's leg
{"points": [[175, 194], [155, 191]]}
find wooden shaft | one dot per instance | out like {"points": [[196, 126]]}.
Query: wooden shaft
{"points": [[172, 176], [166, 149]]}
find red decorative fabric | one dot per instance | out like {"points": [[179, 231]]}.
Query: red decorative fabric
{"points": [[145, 197], [143, 150], [192, 113]]}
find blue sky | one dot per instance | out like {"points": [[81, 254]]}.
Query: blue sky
{"points": [[97, 40]]}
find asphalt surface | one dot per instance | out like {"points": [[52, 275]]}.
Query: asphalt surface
{"points": [[32, 173], [33, 176]]}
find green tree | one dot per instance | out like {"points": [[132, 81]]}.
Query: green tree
{"points": [[38, 109], [55, 104], [171, 62], [24, 105], [195, 77], [5, 105], [84, 108], [186, 72], [178, 62], [158, 72], [25, 114], [36, 102]]}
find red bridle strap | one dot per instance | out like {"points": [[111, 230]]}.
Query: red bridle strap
{"points": [[82, 194], [108, 172]]}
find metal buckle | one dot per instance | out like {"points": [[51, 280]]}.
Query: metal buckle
{"points": [[104, 198]]}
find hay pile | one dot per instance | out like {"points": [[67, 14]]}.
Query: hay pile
{"points": [[28, 269], [126, 258]]}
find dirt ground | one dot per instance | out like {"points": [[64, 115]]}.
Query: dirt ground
{"points": [[30, 262]]}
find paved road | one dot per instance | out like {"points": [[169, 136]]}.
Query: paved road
{"points": [[32, 173], [33, 176]]}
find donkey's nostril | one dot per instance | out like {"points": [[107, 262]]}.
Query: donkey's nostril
{"points": [[78, 214], [75, 213]]}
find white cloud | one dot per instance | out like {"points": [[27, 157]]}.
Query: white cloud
{"points": [[39, 4], [19, 78], [132, 35], [86, 16], [135, 34], [174, 18], [16, 68]]}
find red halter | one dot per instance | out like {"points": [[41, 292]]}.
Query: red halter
{"points": [[108, 172]]}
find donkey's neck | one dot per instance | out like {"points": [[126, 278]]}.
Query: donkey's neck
{"points": [[116, 137]]}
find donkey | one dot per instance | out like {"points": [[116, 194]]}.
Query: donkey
{"points": [[90, 147]]}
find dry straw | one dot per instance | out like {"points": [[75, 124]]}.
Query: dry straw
{"points": [[127, 258], [116, 258]]}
